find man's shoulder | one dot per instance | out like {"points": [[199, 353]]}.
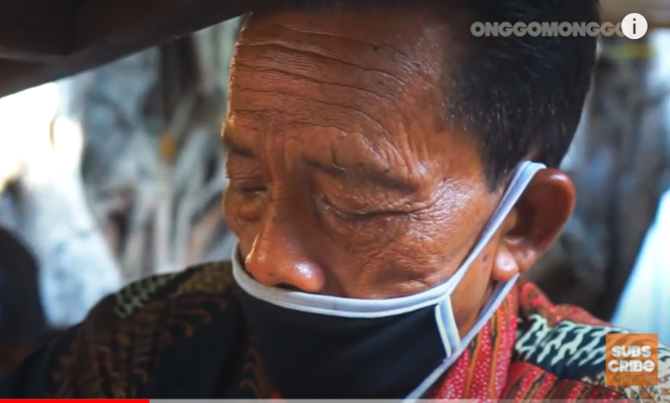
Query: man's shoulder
{"points": [[148, 331], [570, 345], [206, 281], [191, 304]]}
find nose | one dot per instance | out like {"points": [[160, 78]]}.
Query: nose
{"points": [[279, 256]]}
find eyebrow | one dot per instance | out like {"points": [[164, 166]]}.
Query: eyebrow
{"points": [[232, 147], [372, 175]]}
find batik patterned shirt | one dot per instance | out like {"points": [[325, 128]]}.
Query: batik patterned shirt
{"points": [[183, 335]]}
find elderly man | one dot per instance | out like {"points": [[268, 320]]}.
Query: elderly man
{"points": [[387, 186]]}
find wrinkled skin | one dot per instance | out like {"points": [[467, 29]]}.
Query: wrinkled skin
{"points": [[343, 181]]}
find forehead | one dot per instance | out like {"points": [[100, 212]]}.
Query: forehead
{"points": [[409, 33], [362, 60], [367, 82]]}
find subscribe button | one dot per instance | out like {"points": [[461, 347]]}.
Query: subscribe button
{"points": [[631, 360]]}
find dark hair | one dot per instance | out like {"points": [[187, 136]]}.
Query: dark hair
{"points": [[516, 95]]}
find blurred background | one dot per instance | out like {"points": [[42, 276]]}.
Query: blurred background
{"points": [[116, 174]]}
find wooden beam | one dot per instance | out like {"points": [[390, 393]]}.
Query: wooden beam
{"points": [[106, 30], [46, 40], [35, 30]]}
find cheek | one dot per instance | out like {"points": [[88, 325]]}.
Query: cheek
{"points": [[474, 289], [421, 255]]}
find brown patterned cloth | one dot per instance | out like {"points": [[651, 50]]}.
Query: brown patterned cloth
{"points": [[184, 336]]}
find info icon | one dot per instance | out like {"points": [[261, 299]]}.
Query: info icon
{"points": [[634, 26]]}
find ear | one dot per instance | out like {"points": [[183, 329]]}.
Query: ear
{"points": [[534, 223]]}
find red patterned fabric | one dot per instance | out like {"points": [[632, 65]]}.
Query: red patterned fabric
{"points": [[532, 300], [481, 372], [489, 369]]}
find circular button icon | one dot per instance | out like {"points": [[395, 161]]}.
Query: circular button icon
{"points": [[634, 26]]}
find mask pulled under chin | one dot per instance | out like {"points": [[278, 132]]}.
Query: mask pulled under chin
{"points": [[317, 346]]}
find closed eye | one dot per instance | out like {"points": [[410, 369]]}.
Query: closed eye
{"points": [[251, 190], [329, 206]]}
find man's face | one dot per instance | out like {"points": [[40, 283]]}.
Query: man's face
{"points": [[341, 180]]}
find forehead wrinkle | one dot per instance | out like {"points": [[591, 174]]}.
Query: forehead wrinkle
{"points": [[250, 67], [279, 47], [383, 154], [341, 47], [298, 120], [288, 95], [263, 37], [354, 140], [380, 108], [403, 166], [344, 125], [421, 42], [308, 31], [283, 73], [387, 151], [379, 139], [363, 25]]}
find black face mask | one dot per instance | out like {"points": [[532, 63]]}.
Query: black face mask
{"points": [[322, 347], [310, 356]]}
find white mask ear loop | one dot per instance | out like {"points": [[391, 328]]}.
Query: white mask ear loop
{"points": [[446, 322], [444, 314], [500, 293], [446, 325]]}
